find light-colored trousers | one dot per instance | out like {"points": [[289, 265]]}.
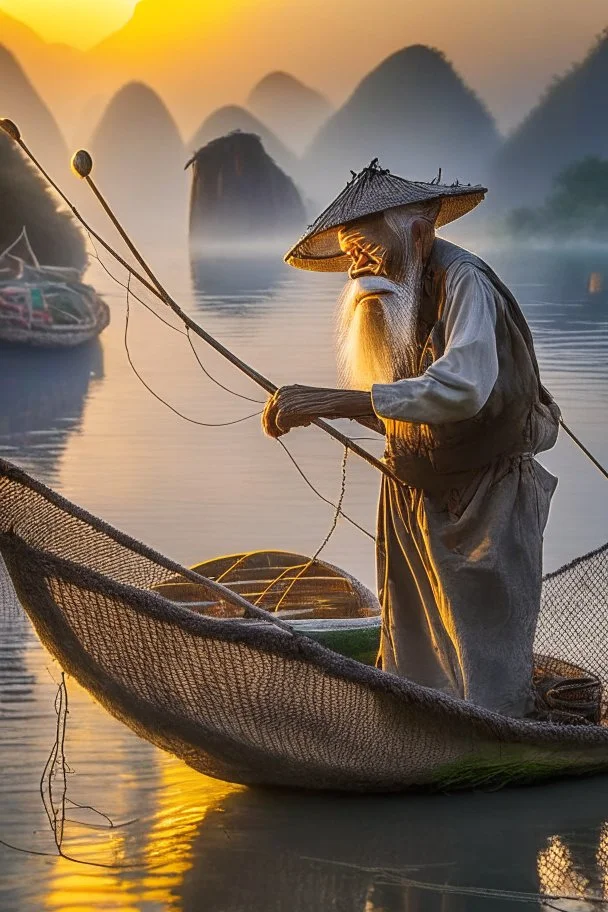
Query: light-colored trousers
{"points": [[459, 580]]}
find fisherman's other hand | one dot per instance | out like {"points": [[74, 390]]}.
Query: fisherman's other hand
{"points": [[298, 406]]}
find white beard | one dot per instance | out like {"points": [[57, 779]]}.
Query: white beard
{"points": [[377, 335]]}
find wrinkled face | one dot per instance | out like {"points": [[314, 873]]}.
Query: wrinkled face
{"points": [[379, 305], [365, 243]]}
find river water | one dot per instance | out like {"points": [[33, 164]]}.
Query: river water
{"points": [[83, 423]]}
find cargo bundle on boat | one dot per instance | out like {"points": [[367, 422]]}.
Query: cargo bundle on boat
{"points": [[46, 306]]}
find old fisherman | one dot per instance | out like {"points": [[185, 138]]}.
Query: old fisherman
{"points": [[435, 352]]}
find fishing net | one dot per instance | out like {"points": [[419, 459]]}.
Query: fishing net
{"points": [[247, 699]]}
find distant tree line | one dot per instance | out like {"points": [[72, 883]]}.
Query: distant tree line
{"points": [[577, 206]]}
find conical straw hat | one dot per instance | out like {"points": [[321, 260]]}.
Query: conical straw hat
{"points": [[373, 190]]}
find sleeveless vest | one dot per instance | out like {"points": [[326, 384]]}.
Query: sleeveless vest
{"points": [[519, 417]]}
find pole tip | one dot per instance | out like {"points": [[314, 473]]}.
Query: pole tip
{"points": [[11, 128], [82, 163]]}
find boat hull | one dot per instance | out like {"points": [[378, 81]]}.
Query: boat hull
{"points": [[242, 697], [56, 337], [358, 639]]}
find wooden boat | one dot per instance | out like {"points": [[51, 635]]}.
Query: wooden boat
{"points": [[327, 604], [316, 599], [46, 306]]}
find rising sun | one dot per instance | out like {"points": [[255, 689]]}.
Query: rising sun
{"points": [[71, 22]]}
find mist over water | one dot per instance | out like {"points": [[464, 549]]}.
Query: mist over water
{"points": [[90, 429], [414, 107]]}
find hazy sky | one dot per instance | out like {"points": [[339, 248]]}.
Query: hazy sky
{"points": [[75, 22], [508, 50]]}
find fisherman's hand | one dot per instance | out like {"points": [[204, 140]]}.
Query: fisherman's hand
{"points": [[288, 408], [298, 406]]}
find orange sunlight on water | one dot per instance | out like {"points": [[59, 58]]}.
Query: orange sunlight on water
{"points": [[155, 845]]}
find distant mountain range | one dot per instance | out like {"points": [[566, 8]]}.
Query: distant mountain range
{"points": [[71, 76], [232, 117], [20, 102], [568, 124], [139, 161], [294, 111], [413, 112], [178, 54]]}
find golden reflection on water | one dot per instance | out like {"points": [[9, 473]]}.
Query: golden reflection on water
{"points": [[169, 817], [155, 801], [156, 859], [596, 283], [556, 871], [184, 798]]}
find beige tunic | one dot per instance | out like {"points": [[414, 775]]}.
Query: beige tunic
{"points": [[459, 573], [458, 384]]}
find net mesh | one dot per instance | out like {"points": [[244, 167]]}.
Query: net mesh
{"points": [[249, 700], [573, 622]]}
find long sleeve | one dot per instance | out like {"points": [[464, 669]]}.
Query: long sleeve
{"points": [[457, 385]]}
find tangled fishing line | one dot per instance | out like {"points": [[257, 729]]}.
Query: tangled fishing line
{"points": [[336, 506], [53, 789]]}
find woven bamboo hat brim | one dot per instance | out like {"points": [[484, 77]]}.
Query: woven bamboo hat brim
{"points": [[371, 191]]}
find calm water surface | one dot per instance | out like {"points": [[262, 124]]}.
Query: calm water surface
{"points": [[83, 423]]}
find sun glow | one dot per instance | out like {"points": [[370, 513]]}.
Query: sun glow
{"points": [[69, 21]]}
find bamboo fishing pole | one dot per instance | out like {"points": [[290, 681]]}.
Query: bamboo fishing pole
{"points": [[82, 165]]}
